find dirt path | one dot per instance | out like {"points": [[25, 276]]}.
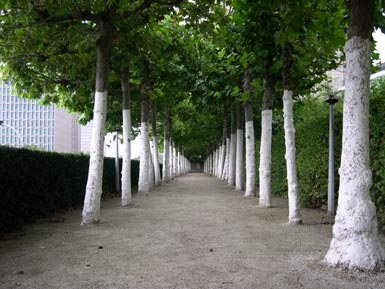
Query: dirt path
{"points": [[195, 232]]}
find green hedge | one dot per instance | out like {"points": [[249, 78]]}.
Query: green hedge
{"points": [[311, 116], [34, 184]]}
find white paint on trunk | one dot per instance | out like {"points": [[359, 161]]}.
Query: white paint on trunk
{"points": [[166, 161], [239, 161], [174, 162], [155, 160], [250, 159], [265, 159], [216, 162], [232, 158], [91, 208], [144, 183], [355, 243], [171, 160], [292, 182], [221, 160], [225, 173], [151, 166], [126, 164]]}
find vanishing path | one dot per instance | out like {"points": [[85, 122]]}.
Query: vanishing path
{"points": [[194, 232]]}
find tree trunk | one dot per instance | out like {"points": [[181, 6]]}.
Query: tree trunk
{"points": [[166, 146], [292, 182], [250, 141], [225, 174], [233, 147], [145, 168], [126, 164], [225, 147], [117, 170], [355, 243], [221, 162], [174, 161], [239, 154], [155, 155], [91, 208], [265, 150]]}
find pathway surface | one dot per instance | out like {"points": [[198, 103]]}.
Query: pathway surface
{"points": [[194, 232]]}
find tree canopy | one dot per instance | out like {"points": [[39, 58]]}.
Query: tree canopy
{"points": [[198, 52]]}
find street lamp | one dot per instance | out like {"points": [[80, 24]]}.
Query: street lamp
{"points": [[15, 130], [331, 206]]}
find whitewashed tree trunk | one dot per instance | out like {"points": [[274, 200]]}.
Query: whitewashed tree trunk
{"points": [[166, 164], [265, 160], [239, 152], [144, 183], [292, 182], [249, 135], [174, 160], [355, 243], [225, 173], [146, 169], [152, 171], [250, 159], [155, 154], [232, 159], [91, 208], [233, 148], [209, 165], [171, 160], [216, 162], [166, 147], [126, 166], [126, 115], [155, 161]]}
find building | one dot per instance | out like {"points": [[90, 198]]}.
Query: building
{"points": [[25, 122]]}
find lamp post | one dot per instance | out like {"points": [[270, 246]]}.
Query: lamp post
{"points": [[331, 206], [13, 129]]}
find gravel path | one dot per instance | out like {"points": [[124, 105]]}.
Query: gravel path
{"points": [[194, 232]]}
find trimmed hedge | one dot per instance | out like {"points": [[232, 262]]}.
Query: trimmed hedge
{"points": [[34, 184]]}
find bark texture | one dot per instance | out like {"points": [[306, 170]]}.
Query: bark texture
{"points": [[249, 135], [91, 208], [155, 155], [126, 164], [265, 148], [355, 243], [145, 181], [233, 149], [239, 152], [166, 146], [292, 181], [265, 160]]}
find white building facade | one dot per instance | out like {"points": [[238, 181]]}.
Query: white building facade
{"points": [[25, 122]]}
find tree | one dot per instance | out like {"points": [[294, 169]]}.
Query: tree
{"points": [[102, 19], [308, 51], [239, 154], [249, 134], [355, 243]]}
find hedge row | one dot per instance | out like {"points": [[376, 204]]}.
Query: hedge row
{"points": [[34, 184], [312, 134]]}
